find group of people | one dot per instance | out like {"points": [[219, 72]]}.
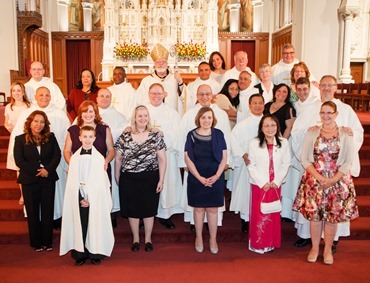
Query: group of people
{"points": [[125, 149]]}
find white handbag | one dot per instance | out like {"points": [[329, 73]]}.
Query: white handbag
{"points": [[271, 207]]}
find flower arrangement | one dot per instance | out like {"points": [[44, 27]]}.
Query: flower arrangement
{"points": [[131, 51], [191, 51]]}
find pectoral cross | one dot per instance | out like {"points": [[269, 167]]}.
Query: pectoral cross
{"points": [[156, 126], [114, 101]]}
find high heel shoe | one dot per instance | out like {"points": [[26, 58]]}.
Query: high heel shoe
{"points": [[214, 250], [312, 257], [199, 248], [329, 260]]}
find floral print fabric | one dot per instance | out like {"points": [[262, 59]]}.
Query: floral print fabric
{"points": [[334, 204]]}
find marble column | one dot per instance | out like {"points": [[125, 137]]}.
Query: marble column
{"points": [[348, 16], [87, 15], [234, 19], [63, 15]]}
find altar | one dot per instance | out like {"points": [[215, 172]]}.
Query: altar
{"points": [[158, 21]]}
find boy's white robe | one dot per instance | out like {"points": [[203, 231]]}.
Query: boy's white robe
{"points": [[100, 238]]}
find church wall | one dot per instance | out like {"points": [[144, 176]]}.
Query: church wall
{"points": [[316, 35], [9, 48]]}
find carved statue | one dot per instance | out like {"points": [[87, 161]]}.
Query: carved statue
{"points": [[246, 15], [97, 14]]}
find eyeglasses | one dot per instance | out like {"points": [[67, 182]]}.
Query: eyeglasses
{"points": [[328, 85], [288, 53], [327, 113], [156, 93]]}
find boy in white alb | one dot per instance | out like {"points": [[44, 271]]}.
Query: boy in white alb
{"points": [[86, 225]]}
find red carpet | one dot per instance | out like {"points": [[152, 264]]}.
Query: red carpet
{"points": [[180, 263]]}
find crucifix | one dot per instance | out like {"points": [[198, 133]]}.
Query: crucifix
{"points": [[155, 125]]}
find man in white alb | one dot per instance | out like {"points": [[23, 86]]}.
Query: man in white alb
{"points": [[167, 120], [189, 94], [204, 97], [241, 64], [310, 117], [241, 135], [246, 89], [116, 122], [59, 124], [37, 72], [123, 94]]}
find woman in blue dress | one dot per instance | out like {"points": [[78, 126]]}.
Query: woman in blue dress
{"points": [[205, 157]]}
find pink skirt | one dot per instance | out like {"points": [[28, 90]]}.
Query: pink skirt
{"points": [[264, 229]]}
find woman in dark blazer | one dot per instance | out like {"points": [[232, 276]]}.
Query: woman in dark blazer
{"points": [[37, 154]]}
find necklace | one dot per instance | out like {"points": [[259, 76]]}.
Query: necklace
{"points": [[140, 131], [277, 106], [330, 131]]}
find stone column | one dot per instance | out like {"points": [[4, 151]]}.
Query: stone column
{"points": [[348, 16], [87, 15], [257, 15], [110, 39], [212, 27], [63, 15], [234, 19]]}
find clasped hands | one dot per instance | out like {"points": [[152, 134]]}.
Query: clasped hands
{"points": [[42, 172], [268, 186], [326, 182], [84, 203], [208, 182]]}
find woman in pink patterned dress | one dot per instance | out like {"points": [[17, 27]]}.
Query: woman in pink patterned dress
{"points": [[327, 194], [269, 157]]}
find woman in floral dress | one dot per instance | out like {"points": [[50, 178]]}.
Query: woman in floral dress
{"points": [[327, 194]]}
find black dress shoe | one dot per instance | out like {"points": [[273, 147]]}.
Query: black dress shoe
{"points": [[80, 262], [167, 223], [148, 247], [57, 224], [114, 222], [302, 242], [192, 228], [135, 247], [95, 261], [244, 227], [334, 247]]}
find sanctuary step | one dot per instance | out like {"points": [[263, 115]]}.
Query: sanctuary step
{"points": [[13, 226]]}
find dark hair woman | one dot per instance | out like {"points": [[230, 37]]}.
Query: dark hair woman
{"points": [[37, 154], [86, 89]]}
